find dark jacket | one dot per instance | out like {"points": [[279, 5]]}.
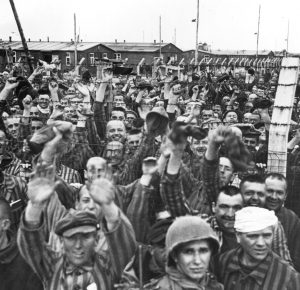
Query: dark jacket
{"points": [[15, 273]]}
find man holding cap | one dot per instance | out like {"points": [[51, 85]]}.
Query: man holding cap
{"points": [[253, 265], [78, 265]]}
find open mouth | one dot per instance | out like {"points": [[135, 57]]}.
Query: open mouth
{"points": [[78, 255]]}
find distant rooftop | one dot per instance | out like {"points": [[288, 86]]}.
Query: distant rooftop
{"points": [[49, 46], [81, 46], [134, 46], [234, 52]]}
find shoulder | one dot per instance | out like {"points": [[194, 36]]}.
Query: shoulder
{"points": [[212, 283], [284, 265], [164, 283], [225, 257]]}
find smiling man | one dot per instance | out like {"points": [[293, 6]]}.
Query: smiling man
{"points": [[79, 264], [276, 193], [253, 190], [253, 265]]}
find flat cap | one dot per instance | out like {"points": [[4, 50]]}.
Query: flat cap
{"points": [[76, 221]]}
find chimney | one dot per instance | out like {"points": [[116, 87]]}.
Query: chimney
{"points": [[155, 41], [162, 41], [71, 39], [28, 39], [116, 41], [40, 40], [124, 41], [48, 38], [10, 39]]}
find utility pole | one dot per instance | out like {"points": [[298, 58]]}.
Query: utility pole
{"points": [[21, 35], [75, 42], [257, 36], [160, 36], [175, 36], [197, 28], [287, 38]]}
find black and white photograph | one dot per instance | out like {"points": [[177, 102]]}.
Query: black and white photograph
{"points": [[149, 145]]}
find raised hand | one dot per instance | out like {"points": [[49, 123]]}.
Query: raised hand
{"points": [[102, 191], [217, 136], [11, 84], [27, 103], [42, 184]]}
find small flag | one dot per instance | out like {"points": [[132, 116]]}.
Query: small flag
{"points": [[193, 20]]}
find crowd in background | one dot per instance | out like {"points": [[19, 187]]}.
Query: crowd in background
{"points": [[130, 182]]}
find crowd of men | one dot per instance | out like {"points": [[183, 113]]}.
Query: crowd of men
{"points": [[129, 182]]}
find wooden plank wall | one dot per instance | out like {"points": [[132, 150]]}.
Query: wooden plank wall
{"points": [[283, 106]]}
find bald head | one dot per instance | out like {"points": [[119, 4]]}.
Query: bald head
{"points": [[115, 131]]}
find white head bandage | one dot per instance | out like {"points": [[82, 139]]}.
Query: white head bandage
{"points": [[253, 219]]}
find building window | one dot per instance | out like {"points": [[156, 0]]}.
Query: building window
{"points": [[104, 55], [68, 58], [206, 58], [92, 58], [118, 55], [14, 56]]}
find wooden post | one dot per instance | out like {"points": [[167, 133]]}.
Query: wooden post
{"points": [[197, 28], [138, 68], [283, 106], [21, 35], [75, 42], [179, 69]]}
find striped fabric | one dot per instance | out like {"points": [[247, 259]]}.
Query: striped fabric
{"points": [[68, 174], [93, 138], [14, 189], [100, 119], [210, 178], [279, 243], [53, 271], [13, 167], [271, 274], [78, 156], [130, 170], [291, 225], [173, 196], [135, 199]]}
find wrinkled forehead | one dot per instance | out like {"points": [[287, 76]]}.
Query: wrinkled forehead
{"points": [[115, 124], [118, 98], [117, 113], [225, 162], [134, 137], [96, 162], [84, 192], [44, 97], [13, 121]]}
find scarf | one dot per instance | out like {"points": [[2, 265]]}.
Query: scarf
{"points": [[43, 111], [184, 282]]}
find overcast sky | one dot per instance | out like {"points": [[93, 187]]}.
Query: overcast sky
{"points": [[224, 24]]}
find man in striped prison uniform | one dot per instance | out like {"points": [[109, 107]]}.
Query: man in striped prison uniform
{"points": [[14, 190], [78, 265], [179, 204], [253, 266]]}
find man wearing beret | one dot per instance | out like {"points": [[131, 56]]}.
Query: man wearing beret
{"points": [[253, 265], [77, 265]]}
